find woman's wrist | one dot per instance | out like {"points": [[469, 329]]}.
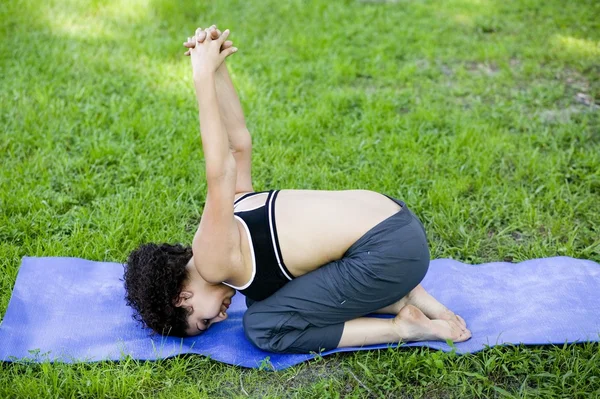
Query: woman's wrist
{"points": [[203, 76], [221, 70]]}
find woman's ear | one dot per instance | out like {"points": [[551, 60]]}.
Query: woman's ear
{"points": [[183, 295]]}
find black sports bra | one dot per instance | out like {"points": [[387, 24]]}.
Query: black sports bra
{"points": [[268, 270]]}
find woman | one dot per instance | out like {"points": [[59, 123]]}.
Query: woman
{"points": [[311, 264]]}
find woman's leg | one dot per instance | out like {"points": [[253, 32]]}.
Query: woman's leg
{"points": [[420, 298], [309, 312], [410, 324], [318, 310]]}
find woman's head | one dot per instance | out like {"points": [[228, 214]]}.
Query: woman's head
{"points": [[169, 295]]}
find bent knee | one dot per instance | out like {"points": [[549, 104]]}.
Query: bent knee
{"points": [[257, 329], [250, 326], [262, 331]]}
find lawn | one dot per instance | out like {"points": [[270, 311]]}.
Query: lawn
{"points": [[483, 115]]}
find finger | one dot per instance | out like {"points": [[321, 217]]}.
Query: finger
{"points": [[214, 34], [191, 42], [226, 53], [200, 36], [211, 31], [187, 52], [209, 34], [226, 45], [223, 37]]}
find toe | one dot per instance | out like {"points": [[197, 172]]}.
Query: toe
{"points": [[455, 324], [465, 335]]}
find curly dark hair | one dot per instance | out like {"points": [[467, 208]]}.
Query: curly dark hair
{"points": [[154, 276]]}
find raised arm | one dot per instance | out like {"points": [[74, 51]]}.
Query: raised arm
{"points": [[239, 136], [217, 233], [232, 116], [218, 158]]}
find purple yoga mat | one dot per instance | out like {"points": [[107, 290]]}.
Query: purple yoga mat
{"points": [[73, 310]]}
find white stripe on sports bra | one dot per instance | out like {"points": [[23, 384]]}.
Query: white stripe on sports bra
{"points": [[245, 197], [270, 204]]}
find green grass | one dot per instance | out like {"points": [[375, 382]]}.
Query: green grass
{"points": [[479, 114]]}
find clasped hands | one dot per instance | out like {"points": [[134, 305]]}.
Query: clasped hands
{"points": [[208, 49]]}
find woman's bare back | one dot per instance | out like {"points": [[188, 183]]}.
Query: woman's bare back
{"points": [[315, 227]]}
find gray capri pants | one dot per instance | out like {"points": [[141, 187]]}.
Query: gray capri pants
{"points": [[308, 313]]}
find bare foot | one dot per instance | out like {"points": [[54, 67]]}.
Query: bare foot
{"points": [[431, 307], [412, 325]]}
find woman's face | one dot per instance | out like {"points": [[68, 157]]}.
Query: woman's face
{"points": [[206, 303]]}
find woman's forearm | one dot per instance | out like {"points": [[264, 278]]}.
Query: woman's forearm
{"points": [[232, 113], [214, 136]]}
